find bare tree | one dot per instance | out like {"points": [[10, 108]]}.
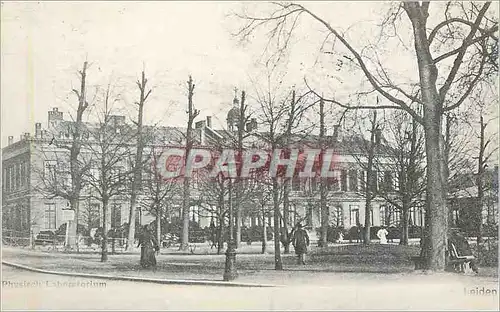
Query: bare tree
{"points": [[192, 114], [67, 157], [159, 193], [404, 161], [213, 192], [371, 182], [484, 155], [278, 119], [108, 147], [437, 94], [138, 162]]}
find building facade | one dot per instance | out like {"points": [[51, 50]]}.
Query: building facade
{"points": [[29, 162]]}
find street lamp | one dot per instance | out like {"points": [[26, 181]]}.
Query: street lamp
{"points": [[230, 272]]}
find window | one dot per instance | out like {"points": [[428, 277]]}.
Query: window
{"points": [[354, 215], [414, 216], [116, 215], [455, 217], [338, 217], [383, 216], [7, 179], [49, 171], [24, 218], [334, 183], [94, 171], [343, 180], [193, 213], [296, 185], [92, 215], [374, 182], [353, 180], [309, 216], [381, 180], [23, 174], [314, 184], [18, 175], [393, 216], [388, 184], [28, 171], [4, 179], [362, 181], [395, 182], [50, 216]]}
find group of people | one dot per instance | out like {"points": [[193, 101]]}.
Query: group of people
{"points": [[300, 241]]}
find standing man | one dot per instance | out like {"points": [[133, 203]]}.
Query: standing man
{"points": [[300, 243]]}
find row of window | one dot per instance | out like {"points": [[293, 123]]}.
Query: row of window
{"points": [[16, 176], [388, 216], [350, 180]]}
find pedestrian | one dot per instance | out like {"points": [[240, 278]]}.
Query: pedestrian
{"points": [[149, 247], [382, 235], [300, 243]]}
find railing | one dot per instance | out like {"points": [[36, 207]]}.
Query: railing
{"points": [[53, 242]]}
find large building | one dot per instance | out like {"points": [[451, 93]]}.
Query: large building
{"points": [[27, 206]]}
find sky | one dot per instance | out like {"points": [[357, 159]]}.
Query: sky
{"points": [[44, 44]]}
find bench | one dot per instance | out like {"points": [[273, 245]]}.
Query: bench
{"points": [[455, 261], [458, 262]]}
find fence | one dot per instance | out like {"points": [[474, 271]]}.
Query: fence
{"points": [[15, 238], [47, 240]]}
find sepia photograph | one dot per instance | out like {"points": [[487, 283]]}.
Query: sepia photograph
{"points": [[249, 155]]}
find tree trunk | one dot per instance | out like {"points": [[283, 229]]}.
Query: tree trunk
{"points": [[278, 265], [286, 215], [480, 190], [131, 219], [158, 223], [370, 181], [192, 113], [239, 221], [104, 247], [323, 239], [438, 226], [405, 219], [72, 226], [185, 215], [76, 171], [264, 228], [220, 237], [434, 145], [137, 170]]}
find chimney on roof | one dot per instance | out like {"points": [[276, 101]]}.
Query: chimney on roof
{"points": [[27, 135], [378, 136], [55, 115], [11, 139], [209, 121], [38, 130], [199, 124], [252, 125]]}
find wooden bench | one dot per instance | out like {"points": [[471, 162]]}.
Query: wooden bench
{"points": [[457, 262]]}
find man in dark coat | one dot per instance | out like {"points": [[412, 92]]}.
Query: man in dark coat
{"points": [[149, 246], [463, 247], [300, 243]]}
